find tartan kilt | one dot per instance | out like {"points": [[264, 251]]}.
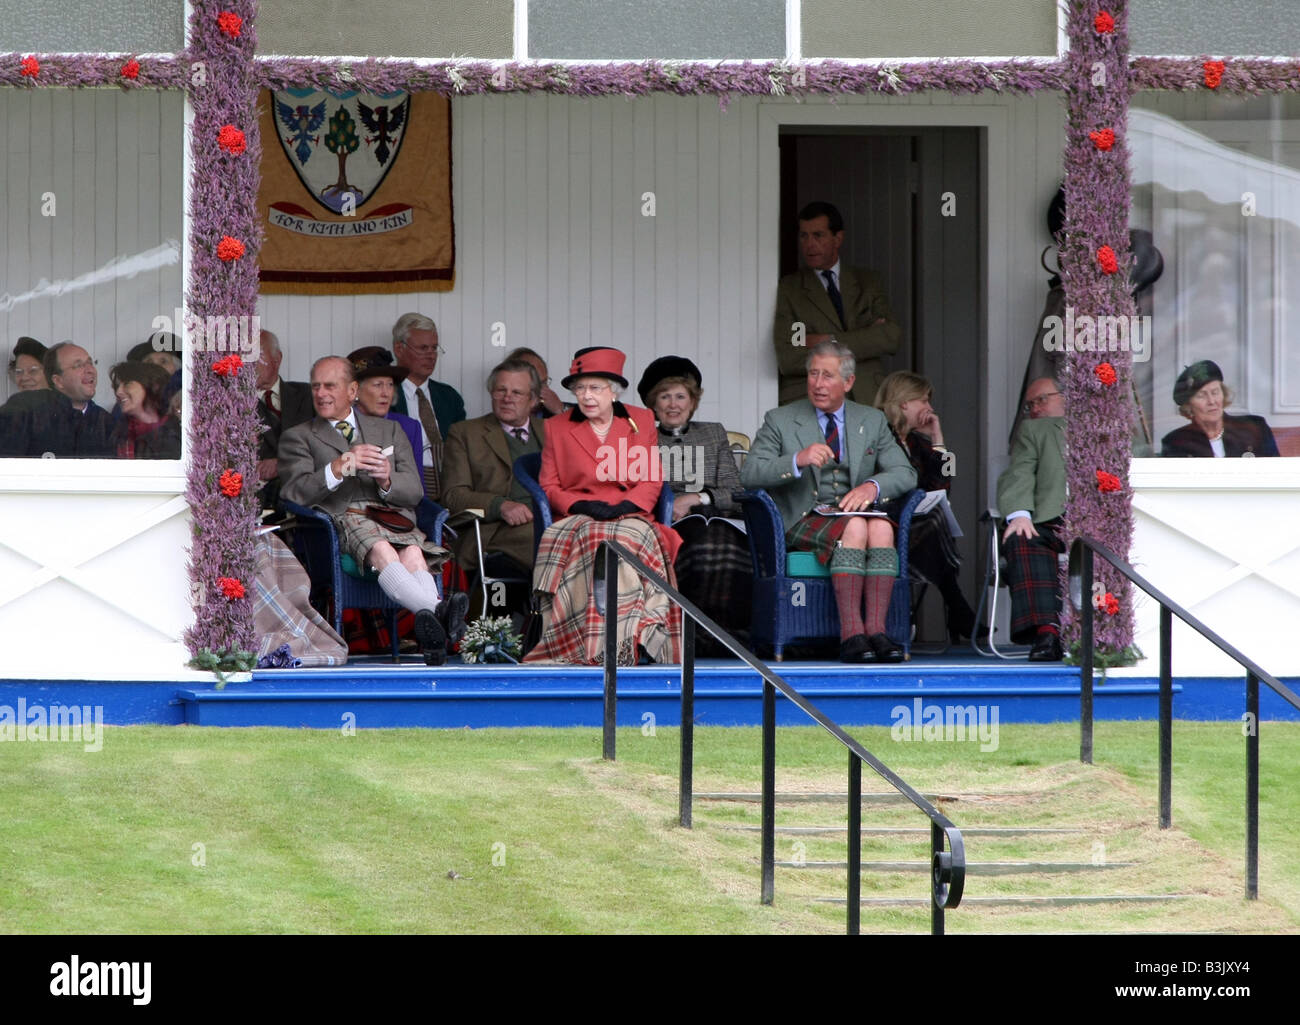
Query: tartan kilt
{"points": [[358, 534], [573, 632], [716, 572], [1033, 577], [818, 534]]}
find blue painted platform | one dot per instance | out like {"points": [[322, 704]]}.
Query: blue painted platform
{"points": [[371, 694]]}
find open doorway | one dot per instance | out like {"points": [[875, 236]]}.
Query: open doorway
{"points": [[913, 207]]}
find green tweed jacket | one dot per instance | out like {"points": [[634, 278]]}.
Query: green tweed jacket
{"points": [[872, 452], [1035, 480]]}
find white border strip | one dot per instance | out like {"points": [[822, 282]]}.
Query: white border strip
{"points": [[521, 30], [793, 30]]}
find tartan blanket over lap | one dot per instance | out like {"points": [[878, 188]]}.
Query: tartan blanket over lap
{"points": [[573, 632], [715, 570], [283, 615]]}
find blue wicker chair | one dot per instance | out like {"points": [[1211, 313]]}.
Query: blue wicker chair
{"points": [[336, 574], [793, 596], [527, 470]]}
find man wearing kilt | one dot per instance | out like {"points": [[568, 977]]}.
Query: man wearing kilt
{"points": [[1031, 491], [827, 451], [339, 462]]}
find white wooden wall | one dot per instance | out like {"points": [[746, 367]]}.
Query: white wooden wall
{"points": [[551, 242], [113, 164]]}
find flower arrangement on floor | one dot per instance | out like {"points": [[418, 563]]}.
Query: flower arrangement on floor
{"points": [[491, 640]]}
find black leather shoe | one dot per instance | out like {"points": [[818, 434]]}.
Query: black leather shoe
{"points": [[885, 649], [431, 637], [451, 614], [856, 650], [1047, 648]]}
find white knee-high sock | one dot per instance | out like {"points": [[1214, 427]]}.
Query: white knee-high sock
{"points": [[396, 581], [429, 583]]}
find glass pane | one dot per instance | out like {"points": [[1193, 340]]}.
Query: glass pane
{"points": [[674, 29], [1191, 27], [91, 212], [395, 28], [938, 28], [1216, 180], [108, 26]]}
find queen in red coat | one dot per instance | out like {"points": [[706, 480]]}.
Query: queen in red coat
{"points": [[601, 475]]}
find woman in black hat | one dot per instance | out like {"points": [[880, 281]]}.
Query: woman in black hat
{"points": [[714, 567], [27, 365], [377, 377], [1202, 397]]}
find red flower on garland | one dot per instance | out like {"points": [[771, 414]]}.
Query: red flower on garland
{"points": [[1106, 603], [1103, 140], [131, 69], [30, 67], [231, 139], [1104, 23], [228, 366], [1107, 482], [230, 248], [230, 23], [231, 483], [1213, 73], [1107, 259], [230, 587], [1106, 374]]}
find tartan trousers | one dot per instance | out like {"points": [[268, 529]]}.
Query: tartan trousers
{"points": [[1033, 577]]}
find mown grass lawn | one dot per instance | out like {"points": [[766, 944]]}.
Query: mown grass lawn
{"points": [[178, 829]]}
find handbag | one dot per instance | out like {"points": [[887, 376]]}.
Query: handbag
{"points": [[389, 518]]}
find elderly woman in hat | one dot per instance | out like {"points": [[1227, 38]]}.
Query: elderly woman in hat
{"points": [[27, 365], [714, 565], [1202, 397], [377, 378], [601, 475]]}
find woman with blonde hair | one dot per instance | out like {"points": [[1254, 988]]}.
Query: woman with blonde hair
{"points": [[904, 398]]}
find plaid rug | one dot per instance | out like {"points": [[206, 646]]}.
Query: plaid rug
{"points": [[573, 632], [283, 615], [716, 572]]}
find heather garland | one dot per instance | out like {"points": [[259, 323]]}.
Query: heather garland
{"points": [[87, 70], [1095, 262], [1235, 76], [684, 78], [224, 236]]}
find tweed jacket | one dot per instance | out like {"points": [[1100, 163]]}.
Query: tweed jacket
{"points": [[703, 454], [1242, 435], [1035, 480], [448, 406], [477, 473], [295, 409], [802, 298], [872, 452], [307, 448]]}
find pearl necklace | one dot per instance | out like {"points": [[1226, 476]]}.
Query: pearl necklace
{"points": [[1216, 437], [599, 433]]}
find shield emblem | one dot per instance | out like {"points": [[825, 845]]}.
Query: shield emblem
{"points": [[341, 145]]}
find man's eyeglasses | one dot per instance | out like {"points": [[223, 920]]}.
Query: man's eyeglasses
{"points": [[505, 393], [1034, 403], [425, 350], [81, 364]]}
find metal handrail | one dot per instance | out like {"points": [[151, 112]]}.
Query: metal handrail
{"points": [[1080, 578], [948, 867]]}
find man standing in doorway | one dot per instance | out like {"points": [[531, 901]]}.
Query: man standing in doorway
{"points": [[827, 302]]}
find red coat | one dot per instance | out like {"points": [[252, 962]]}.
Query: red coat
{"points": [[577, 466]]}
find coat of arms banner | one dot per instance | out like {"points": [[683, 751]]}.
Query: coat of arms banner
{"points": [[356, 192]]}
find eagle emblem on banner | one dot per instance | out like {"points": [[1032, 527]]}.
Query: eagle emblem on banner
{"points": [[341, 145]]}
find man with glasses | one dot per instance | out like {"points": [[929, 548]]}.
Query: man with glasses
{"points": [[1032, 492], [62, 423], [478, 472], [437, 406], [548, 403]]}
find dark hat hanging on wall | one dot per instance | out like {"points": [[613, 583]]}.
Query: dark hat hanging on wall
{"points": [[1148, 264]]}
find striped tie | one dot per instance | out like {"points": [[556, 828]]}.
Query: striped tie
{"points": [[345, 429], [833, 436]]}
